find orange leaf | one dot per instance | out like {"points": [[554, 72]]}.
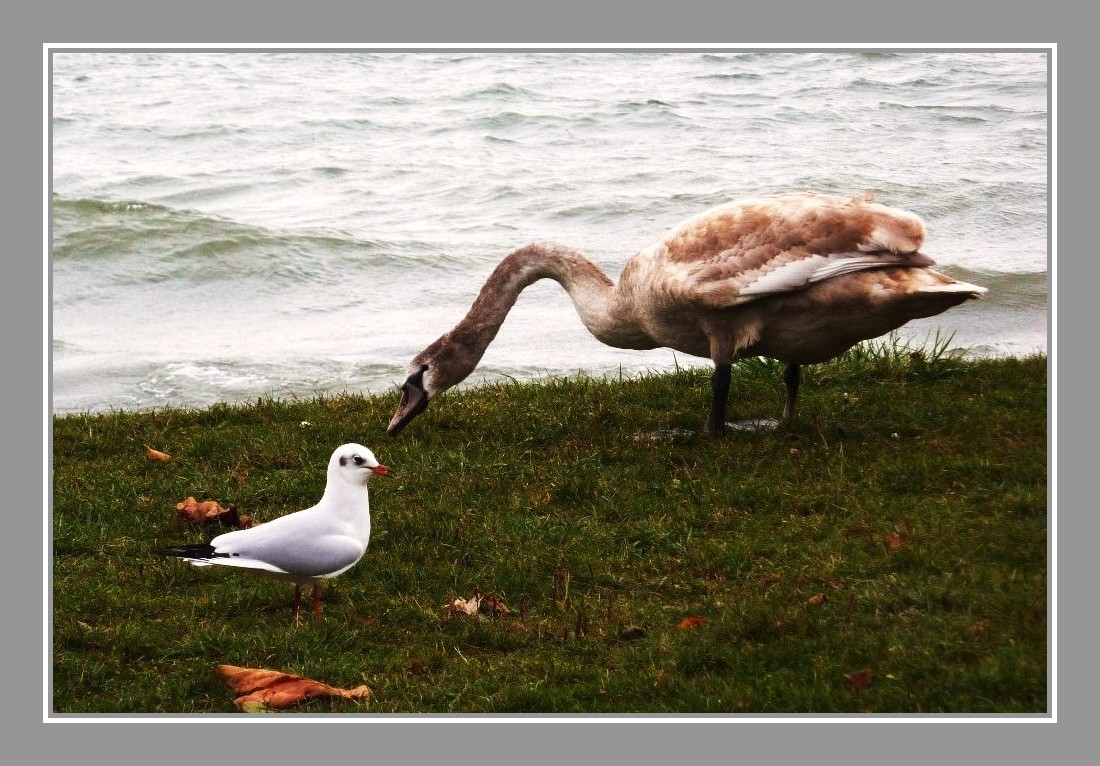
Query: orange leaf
{"points": [[858, 679], [691, 623], [977, 628], [153, 454], [272, 689], [210, 511], [816, 599], [894, 541]]}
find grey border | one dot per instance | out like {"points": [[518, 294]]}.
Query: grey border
{"points": [[739, 733]]}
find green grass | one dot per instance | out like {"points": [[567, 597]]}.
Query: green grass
{"points": [[599, 540]]}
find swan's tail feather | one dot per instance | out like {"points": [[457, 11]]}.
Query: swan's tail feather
{"points": [[956, 287]]}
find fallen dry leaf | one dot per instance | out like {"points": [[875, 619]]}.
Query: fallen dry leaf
{"points": [[976, 628], [493, 605], [154, 454], [463, 605], [858, 679], [691, 623], [894, 541], [209, 511], [816, 599], [489, 604], [273, 690]]}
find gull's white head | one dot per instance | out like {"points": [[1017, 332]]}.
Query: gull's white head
{"points": [[354, 464]]}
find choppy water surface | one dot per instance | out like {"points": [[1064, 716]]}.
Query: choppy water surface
{"points": [[242, 224]]}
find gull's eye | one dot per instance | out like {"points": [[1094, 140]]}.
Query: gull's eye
{"points": [[357, 459]]}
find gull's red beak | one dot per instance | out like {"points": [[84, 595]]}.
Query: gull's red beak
{"points": [[380, 470]]}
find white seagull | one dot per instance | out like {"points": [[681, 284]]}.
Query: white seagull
{"points": [[308, 546]]}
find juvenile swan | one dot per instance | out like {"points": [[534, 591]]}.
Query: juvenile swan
{"points": [[797, 277]]}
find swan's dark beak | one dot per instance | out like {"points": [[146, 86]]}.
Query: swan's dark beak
{"points": [[414, 400]]}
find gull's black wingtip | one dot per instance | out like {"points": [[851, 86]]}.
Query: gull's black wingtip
{"points": [[203, 551]]}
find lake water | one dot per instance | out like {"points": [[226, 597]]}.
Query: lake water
{"points": [[231, 225]]}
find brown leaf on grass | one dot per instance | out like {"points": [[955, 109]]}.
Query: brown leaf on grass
{"points": [[463, 605], [273, 690], [210, 511], [196, 512], [493, 605], [977, 628], [894, 541], [858, 679], [816, 599], [157, 455], [489, 604], [691, 623]]}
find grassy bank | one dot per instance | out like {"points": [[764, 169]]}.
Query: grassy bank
{"points": [[886, 552]]}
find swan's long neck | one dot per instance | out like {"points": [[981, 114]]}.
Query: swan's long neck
{"points": [[592, 292]]}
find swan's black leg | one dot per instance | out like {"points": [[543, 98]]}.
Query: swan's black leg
{"points": [[720, 394], [792, 376]]}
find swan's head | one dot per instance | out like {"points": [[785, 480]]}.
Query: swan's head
{"points": [[414, 397], [441, 365]]}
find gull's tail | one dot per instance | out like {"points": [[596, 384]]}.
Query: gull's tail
{"points": [[199, 555]]}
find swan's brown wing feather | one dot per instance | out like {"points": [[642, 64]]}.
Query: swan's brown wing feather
{"points": [[745, 250]]}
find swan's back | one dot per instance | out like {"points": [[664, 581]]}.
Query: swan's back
{"points": [[767, 245], [759, 228]]}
